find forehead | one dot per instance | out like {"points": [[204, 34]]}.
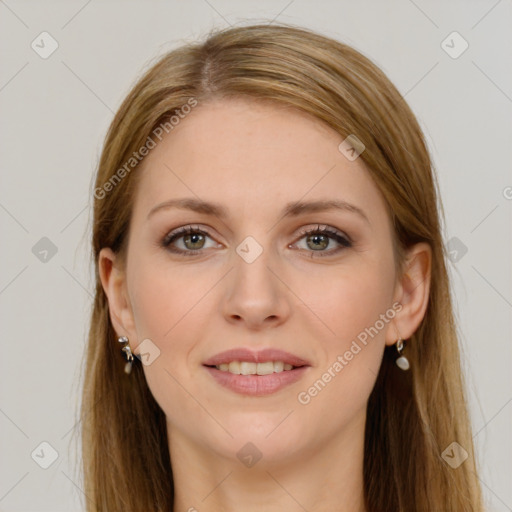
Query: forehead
{"points": [[253, 156]]}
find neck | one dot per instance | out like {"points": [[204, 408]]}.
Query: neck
{"points": [[326, 477]]}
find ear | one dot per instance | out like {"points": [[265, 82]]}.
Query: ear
{"points": [[412, 292], [113, 280]]}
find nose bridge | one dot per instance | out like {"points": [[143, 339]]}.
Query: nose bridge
{"points": [[255, 293], [252, 275]]}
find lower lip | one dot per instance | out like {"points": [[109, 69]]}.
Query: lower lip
{"points": [[256, 385]]}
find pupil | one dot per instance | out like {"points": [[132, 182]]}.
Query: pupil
{"points": [[316, 239], [194, 238]]}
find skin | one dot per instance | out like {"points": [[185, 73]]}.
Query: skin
{"points": [[253, 159]]}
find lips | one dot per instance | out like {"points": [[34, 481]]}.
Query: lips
{"points": [[260, 356]]}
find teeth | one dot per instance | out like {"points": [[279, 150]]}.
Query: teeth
{"points": [[265, 368], [234, 367], [246, 368]]}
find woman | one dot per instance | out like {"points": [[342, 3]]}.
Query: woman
{"points": [[269, 262]]}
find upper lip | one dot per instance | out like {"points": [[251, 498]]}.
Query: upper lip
{"points": [[260, 356]]}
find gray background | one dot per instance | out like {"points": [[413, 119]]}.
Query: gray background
{"points": [[55, 113]]}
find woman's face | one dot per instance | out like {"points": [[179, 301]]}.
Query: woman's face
{"points": [[252, 279]]}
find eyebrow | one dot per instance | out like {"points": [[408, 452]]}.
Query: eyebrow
{"points": [[292, 209]]}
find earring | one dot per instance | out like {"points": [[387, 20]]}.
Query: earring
{"points": [[402, 362], [127, 354]]}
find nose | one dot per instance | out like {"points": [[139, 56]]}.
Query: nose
{"points": [[255, 293]]}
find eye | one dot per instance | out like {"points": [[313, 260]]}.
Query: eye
{"points": [[320, 238], [193, 239]]}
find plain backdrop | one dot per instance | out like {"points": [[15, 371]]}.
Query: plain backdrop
{"points": [[55, 110]]}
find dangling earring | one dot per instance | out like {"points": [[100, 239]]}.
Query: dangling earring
{"points": [[402, 362], [127, 354]]}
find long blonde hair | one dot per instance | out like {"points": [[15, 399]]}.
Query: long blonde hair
{"points": [[412, 416]]}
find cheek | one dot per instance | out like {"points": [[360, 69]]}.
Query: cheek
{"points": [[357, 309], [349, 301], [170, 308], [156, 303], [160, 293], [166, 305]]}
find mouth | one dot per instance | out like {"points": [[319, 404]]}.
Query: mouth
{"points": [[253, 384], [251, 368], [256, 373], [243, 358], [256, 378]]}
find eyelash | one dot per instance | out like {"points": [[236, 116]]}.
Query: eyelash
{"points": [[190, 230]]}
